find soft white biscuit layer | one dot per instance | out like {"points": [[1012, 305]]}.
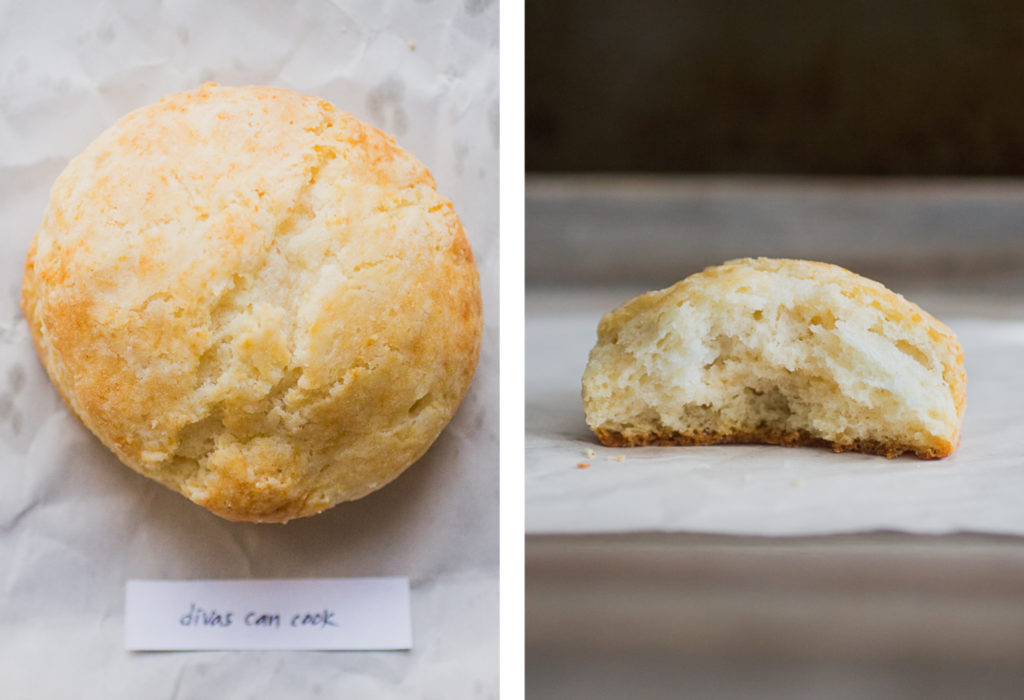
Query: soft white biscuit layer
{"points": [[777, 351]]}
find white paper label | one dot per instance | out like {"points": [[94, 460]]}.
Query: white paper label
{"points": [[320, 614]]}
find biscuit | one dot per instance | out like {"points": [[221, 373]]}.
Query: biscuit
{"points": [[254, 299], [784, 352]]}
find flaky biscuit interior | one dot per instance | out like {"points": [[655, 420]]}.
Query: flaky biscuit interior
{"points": [[786, 352]]}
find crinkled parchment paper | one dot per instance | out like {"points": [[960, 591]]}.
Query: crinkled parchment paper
{"points": [[763, 490], [75, 523]]}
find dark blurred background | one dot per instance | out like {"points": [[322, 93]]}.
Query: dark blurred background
{"points": [[850, 87], [663, 136]]}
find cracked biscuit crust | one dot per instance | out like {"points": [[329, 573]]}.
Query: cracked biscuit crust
{"points": [[255, 299]]}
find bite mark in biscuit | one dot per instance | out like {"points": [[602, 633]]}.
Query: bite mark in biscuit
{"points": [[784, 352]]}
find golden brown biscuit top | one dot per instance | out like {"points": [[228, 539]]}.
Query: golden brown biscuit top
{"points": [[255, 299]]}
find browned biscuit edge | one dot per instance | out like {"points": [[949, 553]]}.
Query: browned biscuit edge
{"points": [[783, 438]]}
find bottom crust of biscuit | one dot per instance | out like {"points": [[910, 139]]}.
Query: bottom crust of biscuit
{"points": [[885, 448]]}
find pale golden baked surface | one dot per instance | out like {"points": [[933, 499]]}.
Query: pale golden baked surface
{"points": [[786, 352], [255, 299]]}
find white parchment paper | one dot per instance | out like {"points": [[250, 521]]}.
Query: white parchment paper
{"points": [[763, 490], [75, 523]]}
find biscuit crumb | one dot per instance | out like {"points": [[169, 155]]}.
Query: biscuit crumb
{"points": [[797, 482], [589, 453], [619, 458], [412, 46]]}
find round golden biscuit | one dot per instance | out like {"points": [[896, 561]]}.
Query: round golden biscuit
{"points": [[254, 299]]}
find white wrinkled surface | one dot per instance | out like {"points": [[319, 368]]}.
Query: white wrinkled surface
{"points": [[764, 490], [74, 523]]}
